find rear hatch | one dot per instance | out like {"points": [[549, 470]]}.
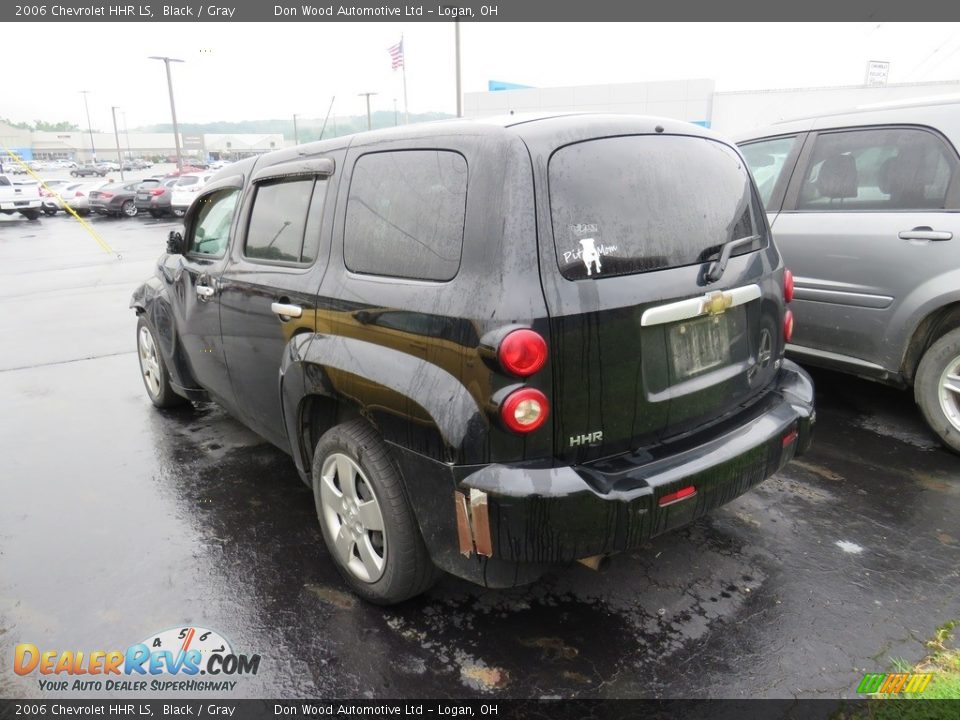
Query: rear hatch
{"points": [[645, 348]]}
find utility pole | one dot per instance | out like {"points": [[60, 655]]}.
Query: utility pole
{"points": [[369, 120], [296, 135], [116, 136], [394, 112], [93, 149], [173, 108], [456, 36]]}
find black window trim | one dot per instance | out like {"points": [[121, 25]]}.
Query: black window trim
{"points": [[951, 201]]}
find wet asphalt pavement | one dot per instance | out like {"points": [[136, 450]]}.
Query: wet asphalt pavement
{"points": [[118, 520]]}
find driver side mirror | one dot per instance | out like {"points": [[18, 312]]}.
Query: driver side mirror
{"points": [[175, 244]]}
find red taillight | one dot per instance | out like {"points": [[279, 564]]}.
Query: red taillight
{"points": [[522, 352], [787, 286], [674, 497], [79, 194], [790, 436], [106, 195], [788, 326], [157, 191], [524, 410], [45, 193]]}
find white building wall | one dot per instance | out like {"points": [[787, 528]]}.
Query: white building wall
{"points": [[683, 100], [738, 112]]}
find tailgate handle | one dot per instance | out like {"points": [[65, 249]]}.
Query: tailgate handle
{"points": [[924, 233]]}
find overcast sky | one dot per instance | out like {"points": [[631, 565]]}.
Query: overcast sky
{"points": [[246, 71]]}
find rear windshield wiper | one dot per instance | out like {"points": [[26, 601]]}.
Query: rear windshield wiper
{"points": [[720, 264]]}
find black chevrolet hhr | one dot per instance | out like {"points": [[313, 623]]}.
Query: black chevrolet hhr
{"points": [[489, 347]]}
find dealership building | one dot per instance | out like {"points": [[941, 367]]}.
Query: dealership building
{"points": [[76, 145], [697, 101]]}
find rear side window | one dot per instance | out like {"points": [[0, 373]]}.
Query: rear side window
{"points": [[880, 169], [647, 202], [766, 160], [278, 221], [405, 214]]}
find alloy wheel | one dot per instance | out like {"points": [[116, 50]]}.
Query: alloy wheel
{"points": [[149, 362], [949, 392]]}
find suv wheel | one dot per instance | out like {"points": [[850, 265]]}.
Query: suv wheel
{"points": [[366, 520], [178, 212], [937, 388], [156, 379]]}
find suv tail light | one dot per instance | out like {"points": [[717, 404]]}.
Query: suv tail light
{"points": [[787, 286], [787, 326], [524, 410], [523, 352]]}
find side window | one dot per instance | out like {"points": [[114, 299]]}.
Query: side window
{"points": [[211, 228], [767, 160], [405, 214], [882, 169], [278, 221]]}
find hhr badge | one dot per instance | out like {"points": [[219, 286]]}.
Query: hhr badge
{"points": [[586, 438]]}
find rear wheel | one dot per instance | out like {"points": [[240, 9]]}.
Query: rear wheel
{"points": [[366, 520], [178, 212], [49, 211], [153, 370], [30, 214], [129, 208], [937, 388], [156, 214]]}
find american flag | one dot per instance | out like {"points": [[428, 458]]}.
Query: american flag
{"points": [[396, 55]]}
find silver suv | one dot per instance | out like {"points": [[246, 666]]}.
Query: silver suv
{"points": [[864, 206]]}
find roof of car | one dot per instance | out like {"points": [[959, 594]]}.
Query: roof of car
{"points": [[903, 111]]}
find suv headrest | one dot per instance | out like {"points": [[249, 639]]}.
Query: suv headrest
{"points": [[905, 176], [838, 177]]}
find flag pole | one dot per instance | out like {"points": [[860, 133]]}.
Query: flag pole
{"points": [[406, 112]]}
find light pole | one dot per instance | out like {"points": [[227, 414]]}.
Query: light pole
{"points": [[394, 112], [296, 135], [116, 136], [369, 121], [173, 108], [456, 35], [93, 149]]}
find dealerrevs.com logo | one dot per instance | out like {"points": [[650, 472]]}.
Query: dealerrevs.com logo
{"points": [[172, 660]]}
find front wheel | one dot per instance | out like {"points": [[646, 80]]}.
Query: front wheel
{"points": [[937, 388], [178, 212], [153, 370], [367, 522]]}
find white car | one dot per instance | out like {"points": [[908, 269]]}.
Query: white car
{"points": [[77, 197], [186, 190], [22, 196], [50, 191]]}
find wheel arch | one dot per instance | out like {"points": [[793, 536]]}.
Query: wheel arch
{"points": [[930, 329]]}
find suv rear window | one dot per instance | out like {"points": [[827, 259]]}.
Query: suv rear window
{"points": [[638, 203]]}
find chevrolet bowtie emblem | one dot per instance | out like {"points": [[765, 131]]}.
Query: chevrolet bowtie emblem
{"points": [[716, 303]]}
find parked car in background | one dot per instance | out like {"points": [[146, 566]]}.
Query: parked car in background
{"points": [[20, 196], [185, 190], [153, 195], [115, 199], [78, 198], [865, 207], [136, 164], [464, 388], [89, 171], [68, 164], [109, 165], [50, 194]]}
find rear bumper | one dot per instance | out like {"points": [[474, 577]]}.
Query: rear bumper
{"points": [[549, 515], [24, 204]]}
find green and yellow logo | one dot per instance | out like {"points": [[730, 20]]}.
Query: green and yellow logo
{"points": [[894, 683]]}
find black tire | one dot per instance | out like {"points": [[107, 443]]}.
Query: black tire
{"points": [[30, 214], [940, 357], [156, 214], [74, 173], [83, 213], [163, 395], [129, 209], [49, 211], [407, 568]]}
